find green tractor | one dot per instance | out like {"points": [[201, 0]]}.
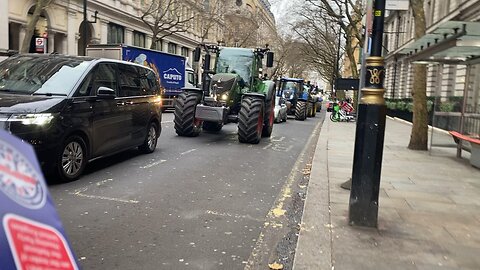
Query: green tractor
{"points": [[232, 92]]}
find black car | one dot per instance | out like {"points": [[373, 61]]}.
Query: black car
{"points": [[76, 109]]}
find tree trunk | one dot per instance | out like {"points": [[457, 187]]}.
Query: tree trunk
{"points": [[419, 134], [153, 46], [350, 50], [31, 26]]}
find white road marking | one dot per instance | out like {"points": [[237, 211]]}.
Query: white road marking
{"points": [[215, 213], [153, 164], [80, 193], [104, 198], [103, 182], [164, 122], [278, 140], [189, 151], [279, 147]]}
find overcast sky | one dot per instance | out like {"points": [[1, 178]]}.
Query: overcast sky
{"points": [[284, 12]]}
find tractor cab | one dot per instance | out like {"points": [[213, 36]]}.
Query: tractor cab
{"points": [[238, 61]]}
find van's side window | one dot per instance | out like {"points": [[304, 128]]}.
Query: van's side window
{"points": [[147, 81], [102, 75], [129, 81]]}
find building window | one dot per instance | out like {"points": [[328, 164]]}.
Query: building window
{"points": [[185, 51], [138, 39], [115, 33], [172, 48]]}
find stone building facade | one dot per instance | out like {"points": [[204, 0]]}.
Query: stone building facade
{"points": [[118, 21], [399, 30]]}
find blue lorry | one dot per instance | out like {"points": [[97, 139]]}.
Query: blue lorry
{"points": [[173, 70]]}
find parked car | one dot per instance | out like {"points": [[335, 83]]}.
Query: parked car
{"points": [[280, 109], [76, 109]]}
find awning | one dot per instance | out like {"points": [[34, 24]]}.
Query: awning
{"points": [[453, 42]]}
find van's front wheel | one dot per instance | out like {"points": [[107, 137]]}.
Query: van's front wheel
{"points": [[150, 142], [72, 159]]}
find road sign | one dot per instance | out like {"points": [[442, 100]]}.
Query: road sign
{"points": [[346, 84], [31, 233], [40, 45], [397, 5]]}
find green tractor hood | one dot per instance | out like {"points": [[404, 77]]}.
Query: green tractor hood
{"points": [[224, 83]]}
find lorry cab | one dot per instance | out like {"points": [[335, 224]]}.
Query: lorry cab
{"points": [[191, 80]]}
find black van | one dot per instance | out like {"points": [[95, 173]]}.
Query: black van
{"points": [[76, 109]]}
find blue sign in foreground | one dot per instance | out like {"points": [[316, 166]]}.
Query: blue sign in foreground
{"points": [[31, 233]]}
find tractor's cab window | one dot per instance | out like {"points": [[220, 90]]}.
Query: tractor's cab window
{"points": [[236, 60], [291, 89], [294, 86]]}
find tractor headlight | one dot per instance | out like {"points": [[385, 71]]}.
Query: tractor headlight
{"points": [[222, 97], [39, 119]]}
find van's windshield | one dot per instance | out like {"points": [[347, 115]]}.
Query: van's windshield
{"points": [[30, 74]]}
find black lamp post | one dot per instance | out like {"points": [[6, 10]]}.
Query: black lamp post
{"points": [[337, 68], [370, 132], [85, 26], [337, 64]]}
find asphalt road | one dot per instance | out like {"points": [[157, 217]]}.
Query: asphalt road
{"points": [[195, 203]]}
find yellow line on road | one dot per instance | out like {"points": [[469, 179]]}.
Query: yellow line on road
{"points": [[277, 210]]}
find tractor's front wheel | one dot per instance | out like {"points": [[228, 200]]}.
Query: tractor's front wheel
{"points": [[301, 110], [250, 120], [185, 122], [269, 118]]}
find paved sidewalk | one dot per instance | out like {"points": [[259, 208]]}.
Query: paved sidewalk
{"points": [[429, 215]]}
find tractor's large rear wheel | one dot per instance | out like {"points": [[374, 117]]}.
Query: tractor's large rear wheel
{"points": [[185, 122], [269, 118], [250, 120], [301, 110]]}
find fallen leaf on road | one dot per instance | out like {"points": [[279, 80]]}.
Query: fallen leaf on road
{"points": [[275, 266]]}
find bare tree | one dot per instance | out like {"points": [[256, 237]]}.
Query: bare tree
{"points": [[40, 6], [348, 14], [212, 16], [320, 45], [242, 29], [419, 135], [165, 18], [290, 59]]}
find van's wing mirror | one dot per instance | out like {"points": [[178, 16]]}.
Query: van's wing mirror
{"points": [[105, 92], [269, 59]]}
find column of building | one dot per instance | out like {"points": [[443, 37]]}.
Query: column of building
{"points": [[72, 35], [4, 25]]}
